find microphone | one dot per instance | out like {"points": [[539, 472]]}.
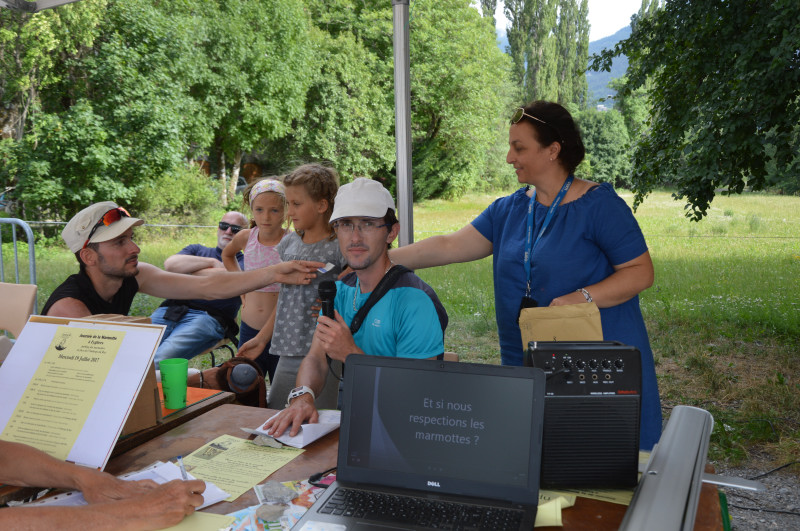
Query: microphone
{"points": [[327, 292]]}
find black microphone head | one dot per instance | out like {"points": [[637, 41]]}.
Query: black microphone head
{"points": [[327, 290], [327, 293]]}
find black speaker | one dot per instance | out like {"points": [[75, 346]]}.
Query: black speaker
{"points": [[591, 418]]}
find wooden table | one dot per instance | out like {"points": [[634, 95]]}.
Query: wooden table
{"points": [[589, 515], [171, 421], [594, 515], [226, 419], [11, 493]]}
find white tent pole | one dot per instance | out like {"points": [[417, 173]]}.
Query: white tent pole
{"points": [[402, 114]]}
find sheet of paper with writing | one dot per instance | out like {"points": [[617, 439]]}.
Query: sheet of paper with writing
{"points": [[236, 465], [67, 387]]}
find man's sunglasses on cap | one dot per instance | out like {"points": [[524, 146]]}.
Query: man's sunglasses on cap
{"points": [[520, 112], [112, 216], [224, 225]]}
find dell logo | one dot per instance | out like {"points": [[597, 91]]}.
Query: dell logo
{"points": [[434, 484]]}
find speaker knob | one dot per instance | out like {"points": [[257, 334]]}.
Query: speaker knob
{"points": [[619, 364], [606, 364]]}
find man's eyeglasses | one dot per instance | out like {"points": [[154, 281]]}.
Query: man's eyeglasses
{"points": [[367, 226], [224, 225], [520, 112], [112, 216]]}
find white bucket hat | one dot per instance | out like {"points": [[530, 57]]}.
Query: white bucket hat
{"points": [[78, 232], [362, 198]]}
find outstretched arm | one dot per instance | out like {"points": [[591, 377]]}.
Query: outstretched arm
{"points": [[464, 245], [160, 283], [26, 466], [163, 506]]}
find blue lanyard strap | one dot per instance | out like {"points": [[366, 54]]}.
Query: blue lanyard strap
{"points": [[530, 243]]}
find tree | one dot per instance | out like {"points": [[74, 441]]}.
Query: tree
{"points": [[634, 106], [459, 94], [548, 42], [572, 34], [725, 95], [349, 112], [608, 145], [488, 7], [116, 118], [35, 53], [257, 73], [459, 90], [532, 46], [580, 86]]}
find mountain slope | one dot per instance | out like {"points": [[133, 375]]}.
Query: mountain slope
{"points": [[598, 81]]}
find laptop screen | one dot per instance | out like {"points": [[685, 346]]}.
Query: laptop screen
{"points": [[448, 427]]}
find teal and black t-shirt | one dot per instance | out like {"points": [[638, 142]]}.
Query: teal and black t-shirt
{"points": [[407, 322]]}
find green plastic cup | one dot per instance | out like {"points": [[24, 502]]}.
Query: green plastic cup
{"points": [[173, 381]]}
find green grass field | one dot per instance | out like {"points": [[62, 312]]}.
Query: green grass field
{"points": [[723, 314]]}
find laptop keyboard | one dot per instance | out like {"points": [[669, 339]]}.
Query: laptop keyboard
{"points": [[421, 512]]}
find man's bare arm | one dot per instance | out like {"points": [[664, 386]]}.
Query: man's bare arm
{"points": [[312, 372], [160, 283], [69, 307], [189, 264], [163, 506]]}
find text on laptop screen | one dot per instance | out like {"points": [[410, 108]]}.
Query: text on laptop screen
{"points": [[441, 424]]}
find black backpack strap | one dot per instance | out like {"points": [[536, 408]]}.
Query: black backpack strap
{"points": [[383, 287]]}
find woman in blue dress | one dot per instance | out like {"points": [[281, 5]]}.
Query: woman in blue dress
{"points": [[591, 248]]}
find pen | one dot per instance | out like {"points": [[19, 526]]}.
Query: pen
{"points": [[183, 469]]}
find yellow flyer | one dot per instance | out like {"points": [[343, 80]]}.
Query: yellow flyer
{"points": [[58, 399], [236, 465]]}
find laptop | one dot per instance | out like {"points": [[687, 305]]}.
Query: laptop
{"points": [[426, 443]]}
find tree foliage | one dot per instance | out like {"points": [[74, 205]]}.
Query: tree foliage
{"points": [[459, 94], [606, 139], [488, 7], [257, 72], [115, 99], [725, 96], [548, 42]]}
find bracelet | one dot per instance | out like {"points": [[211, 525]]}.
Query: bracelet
{"points": [[585, 294], [299, 391], [202, 381]]}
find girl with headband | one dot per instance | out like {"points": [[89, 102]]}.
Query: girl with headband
{"points": [[266, 199]]}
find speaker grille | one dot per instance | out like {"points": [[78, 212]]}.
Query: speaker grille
{"points": [[590, 442]]}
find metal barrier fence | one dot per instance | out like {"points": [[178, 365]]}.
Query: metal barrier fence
{"points": [[14, 223]]}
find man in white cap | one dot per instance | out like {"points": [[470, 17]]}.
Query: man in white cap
{"points": [[407, 321], [101, 236]]}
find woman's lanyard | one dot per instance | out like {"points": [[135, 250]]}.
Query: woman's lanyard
{"points": [[531, 245]]}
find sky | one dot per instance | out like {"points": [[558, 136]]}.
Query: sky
{"points": [[606, 17]]}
